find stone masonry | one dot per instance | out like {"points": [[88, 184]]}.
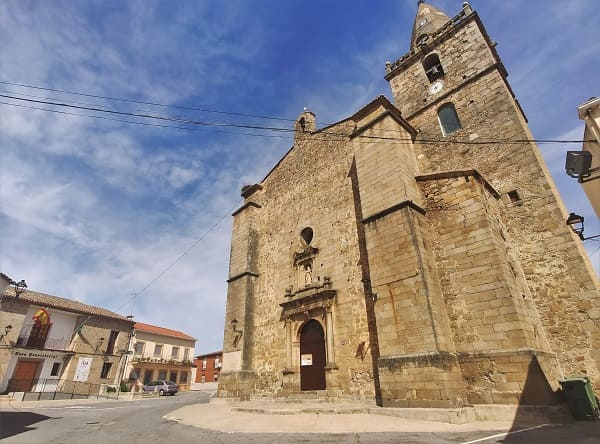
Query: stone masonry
{"points": [[435, 264]]}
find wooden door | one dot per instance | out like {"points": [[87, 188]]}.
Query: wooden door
{"points": [[23, 376], [312, 357]]}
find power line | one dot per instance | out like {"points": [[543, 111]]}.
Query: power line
{"points": [[186, 128], [142, 102], [283, 130], [133, 296], [147, 116]]}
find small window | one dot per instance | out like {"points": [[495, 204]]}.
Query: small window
{"points": [[186, 354], [105, 369], [175, 352], [422, 39], [448, 119], [204, 364], [55, 369], [158, 350], [139, 348], [433, 67], [515, 197], [112, 339], [307, 235], [183, 377]]}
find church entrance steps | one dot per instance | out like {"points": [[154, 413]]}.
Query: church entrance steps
{"points": [[294, 408], [530, 414], [315, 396]]}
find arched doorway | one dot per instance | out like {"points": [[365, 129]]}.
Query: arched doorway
{"points": [[312, 356]]}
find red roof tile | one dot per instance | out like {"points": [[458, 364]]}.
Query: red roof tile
{"points": [[140, 326]]}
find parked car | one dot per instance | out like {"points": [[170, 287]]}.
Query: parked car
{"points": [[162, 387]]}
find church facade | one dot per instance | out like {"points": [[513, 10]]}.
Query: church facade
{"points": [[415, 253]]}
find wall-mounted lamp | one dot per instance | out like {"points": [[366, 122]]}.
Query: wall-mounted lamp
{"points": [[579, 165], [238, 333], [20, 286], [575, 221], [7, 329]]}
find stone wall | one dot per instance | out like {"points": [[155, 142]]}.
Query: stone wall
{"points": [[559, 283]]}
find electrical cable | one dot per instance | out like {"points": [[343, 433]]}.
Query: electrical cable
{"points": [[286, 130], [142, 123], [142, 102], [181, 256]]}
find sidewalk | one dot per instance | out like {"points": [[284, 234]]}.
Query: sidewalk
{"points": [[6, 402], [271, 417]]}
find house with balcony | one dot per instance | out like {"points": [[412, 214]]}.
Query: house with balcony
{"points": [[55, 345], [208, 367], [160, 353]]}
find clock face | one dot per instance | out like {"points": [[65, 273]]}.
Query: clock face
{"points": [[436, 87]]}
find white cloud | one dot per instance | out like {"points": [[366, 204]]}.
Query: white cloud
{"points": [[95, 210]]}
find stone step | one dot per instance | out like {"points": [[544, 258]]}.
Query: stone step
{"points": [[315, 397]]}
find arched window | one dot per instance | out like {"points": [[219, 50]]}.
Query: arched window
{"points": [[433, 67], [448, 119], [307, 235]]}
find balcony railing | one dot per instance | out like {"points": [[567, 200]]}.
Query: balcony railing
{"points": [[47, 388], [43, 343], [149, 358]]}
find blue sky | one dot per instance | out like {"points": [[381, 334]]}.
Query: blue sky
{"points": [[95, 210]]}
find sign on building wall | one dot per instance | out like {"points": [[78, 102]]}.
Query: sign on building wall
{"points": [[83, 369], [306, 360]]}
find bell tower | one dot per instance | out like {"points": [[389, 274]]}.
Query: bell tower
{"points": [[452, 87]]}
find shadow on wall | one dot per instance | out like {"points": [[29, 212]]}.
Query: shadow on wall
{"points": [[14, 423], [543, 416]]}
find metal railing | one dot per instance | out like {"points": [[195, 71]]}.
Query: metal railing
{"points": [[50, 389], [46, 344]]}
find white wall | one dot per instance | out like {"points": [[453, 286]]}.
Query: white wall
{"points": [[63, 324]]}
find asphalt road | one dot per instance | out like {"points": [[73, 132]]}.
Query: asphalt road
{"points": [[142, 421]]}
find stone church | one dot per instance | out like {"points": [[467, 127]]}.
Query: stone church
{"points": [[414, 253]]}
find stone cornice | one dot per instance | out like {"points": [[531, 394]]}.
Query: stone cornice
{"points": [[246, 205], [461, 173], [392, 209], [308, 299], [249, 190], [241, 275]]}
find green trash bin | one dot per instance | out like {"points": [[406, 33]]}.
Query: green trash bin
{"points": [[580, 397]]}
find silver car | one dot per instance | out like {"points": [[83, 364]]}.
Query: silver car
{"points": [[162, 387]]}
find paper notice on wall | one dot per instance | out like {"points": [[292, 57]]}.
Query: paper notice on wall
{"points": [[83, 369], [306, 360]]}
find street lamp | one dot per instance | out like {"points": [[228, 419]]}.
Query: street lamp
{"points": [[7, 330], [575, 221], [238, 333], [20, 286]]}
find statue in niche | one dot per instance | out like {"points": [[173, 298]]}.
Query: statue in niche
{"points": [[308, 279]]}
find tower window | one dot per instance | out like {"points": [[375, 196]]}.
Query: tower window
{"points": [[515, 197], [433, 67], [448, 119]]}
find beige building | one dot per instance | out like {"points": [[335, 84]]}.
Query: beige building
{"points": [[160, 353], [54, 347], [414, 253], [589, 112]]}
